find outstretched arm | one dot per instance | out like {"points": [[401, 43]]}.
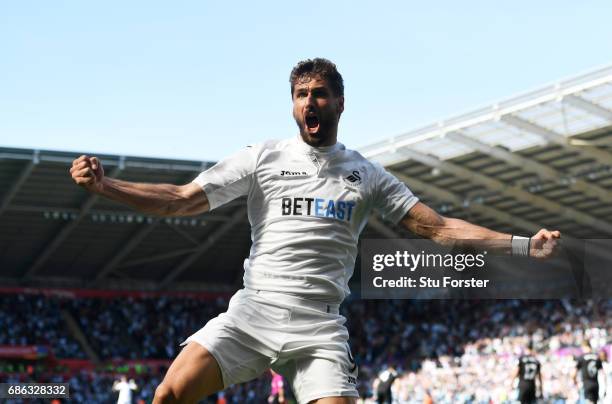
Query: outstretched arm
{"points": [[156, 199], [425, 222]]}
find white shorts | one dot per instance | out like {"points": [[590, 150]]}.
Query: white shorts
{"points": [[303, 340]]}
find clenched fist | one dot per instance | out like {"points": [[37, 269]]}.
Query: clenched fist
{"points": [[87, 172], [544, 243]]}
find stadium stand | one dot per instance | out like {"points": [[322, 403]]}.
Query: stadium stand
{"points": [[462, 350]]}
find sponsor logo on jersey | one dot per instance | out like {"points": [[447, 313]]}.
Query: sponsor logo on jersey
{"points": [[352, 380], [292, 173], [337, 209], [353, 179]]}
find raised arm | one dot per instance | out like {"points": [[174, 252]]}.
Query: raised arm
{"points": [[425, 222], [156, 199]]}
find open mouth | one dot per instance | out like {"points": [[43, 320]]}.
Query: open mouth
{"points": [[312, 122]]}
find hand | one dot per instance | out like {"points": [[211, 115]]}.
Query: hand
{"points": [[87, 172], [544, 244]]}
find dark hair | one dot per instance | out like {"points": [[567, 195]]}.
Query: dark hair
{"points": [[308, 68]]}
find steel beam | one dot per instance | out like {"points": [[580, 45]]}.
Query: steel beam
{"points": [[64, 232], [157, 257], [589, 107], [210, 241], [457, 200], [23, 176], [600, 156], [144, 231], [510, 190], [183, 234], [530, 165]]}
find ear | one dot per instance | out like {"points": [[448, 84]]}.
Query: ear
{"points": [[340, 105]]}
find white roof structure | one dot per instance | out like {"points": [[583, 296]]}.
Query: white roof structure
{"points": [[540, 159]]}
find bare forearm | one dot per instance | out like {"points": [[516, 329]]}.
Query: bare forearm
{"points": [[460, 232], [156, 199], [450, 229], [425, 222]]}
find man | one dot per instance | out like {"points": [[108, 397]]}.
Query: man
{"points": [[308, 200], [124, 387], [607, 370], [589, 365], [277, 389], [527, 371], [383, 384]]}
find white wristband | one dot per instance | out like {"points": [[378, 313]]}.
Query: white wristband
{"points": [[520, 246]]}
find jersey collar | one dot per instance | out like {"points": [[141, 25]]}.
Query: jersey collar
{"points": [[305, 147]]}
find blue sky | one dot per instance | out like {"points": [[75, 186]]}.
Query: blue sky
{"points": [[198, 79]]}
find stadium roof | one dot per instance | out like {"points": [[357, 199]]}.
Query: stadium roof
{"points": [[541, 159], [56, 234]]}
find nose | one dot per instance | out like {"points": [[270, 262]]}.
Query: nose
{"points": [[310, 99]]}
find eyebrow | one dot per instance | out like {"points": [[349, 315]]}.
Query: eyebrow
{"points": [[314, 88]]}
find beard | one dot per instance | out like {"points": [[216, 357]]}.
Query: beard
{"points": [[323, 135]]}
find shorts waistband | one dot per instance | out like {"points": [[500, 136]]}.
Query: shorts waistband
{"points": [[296, 301]]}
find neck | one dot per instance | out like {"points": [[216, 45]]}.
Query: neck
{"points": [[318, 142]]}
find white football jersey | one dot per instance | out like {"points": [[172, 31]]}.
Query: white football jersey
{"points": [[307, 207]]}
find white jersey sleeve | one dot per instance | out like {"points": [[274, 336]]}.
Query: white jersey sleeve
{"points": [[392, 198], [230, 178]]}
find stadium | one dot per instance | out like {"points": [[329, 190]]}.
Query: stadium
{"points": [[83, 277]]}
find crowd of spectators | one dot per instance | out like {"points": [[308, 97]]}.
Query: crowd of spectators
{"points": [[450, 351], [396, 331], [484, 378], [466, 351], [142, 328], [36, 320]]}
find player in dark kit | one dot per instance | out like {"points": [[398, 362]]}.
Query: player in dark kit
{"points": [[589, 366], [527, 371], [383, 384]]}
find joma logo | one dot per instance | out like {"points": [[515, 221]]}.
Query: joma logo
{"points": [[287, 173]]}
